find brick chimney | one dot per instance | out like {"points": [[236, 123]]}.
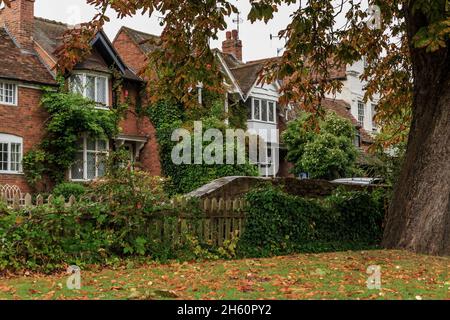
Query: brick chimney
{"points": [[233, 45], [19, 20]]}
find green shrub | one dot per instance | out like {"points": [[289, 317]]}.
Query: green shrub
{"points": [[68, 189], [279, 223]]}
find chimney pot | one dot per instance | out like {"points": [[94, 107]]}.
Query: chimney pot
{"points": [[232, 44]]}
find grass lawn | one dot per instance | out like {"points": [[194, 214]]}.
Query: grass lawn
{"points": [[306, 276]]}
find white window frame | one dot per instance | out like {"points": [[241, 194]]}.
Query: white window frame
{"points": [[9, 140], [84, 76], [269, 103], [85, 158], [16, 94], [361, 116]]}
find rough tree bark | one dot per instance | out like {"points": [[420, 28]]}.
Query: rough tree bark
{"points": [[419, 217]]}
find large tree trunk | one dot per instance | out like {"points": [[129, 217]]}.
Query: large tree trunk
{"points": [[419, 216]]}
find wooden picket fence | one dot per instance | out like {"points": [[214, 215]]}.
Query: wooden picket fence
{"points": [[220, 219]]}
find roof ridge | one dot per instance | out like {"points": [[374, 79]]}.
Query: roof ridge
{"points": [[139, 31], [52, 21]]}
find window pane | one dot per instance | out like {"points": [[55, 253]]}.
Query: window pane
{"points": [[16, 157], [102, 145], [9, 93], [77, 170], [264, 110], [257, 110], [271, 112], [91, 166], [90, 87], [361, 113], [4, 156], [91, 144], [101, 90], [249, 109], [76, 83], [101, 165]]}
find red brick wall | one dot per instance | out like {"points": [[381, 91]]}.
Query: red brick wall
{"points": [[141, 126], [19, 19], [27, 121], [129, 52], [134, 125]]}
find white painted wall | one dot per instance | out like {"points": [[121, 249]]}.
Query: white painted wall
{"points": [[267, 130], [353, 91]]}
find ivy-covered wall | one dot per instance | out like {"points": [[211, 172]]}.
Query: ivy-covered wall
{"points": [[168, 116]]}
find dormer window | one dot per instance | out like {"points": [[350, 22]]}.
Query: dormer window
{"points": [[8, 93], [92, 86]]}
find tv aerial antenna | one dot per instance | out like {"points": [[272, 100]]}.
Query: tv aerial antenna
{"points": [[279, 50], [238, 21]]}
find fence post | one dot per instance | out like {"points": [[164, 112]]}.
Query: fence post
{"points": [[39, 200], [28, 200], [16, 201], [72, 200]]}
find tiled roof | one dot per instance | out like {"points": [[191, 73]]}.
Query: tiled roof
{"points": [[19, 65], [143, 40], [48, 34], [342, 109], [246, 74]]}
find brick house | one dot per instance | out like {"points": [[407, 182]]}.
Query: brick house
{"points": [[264, 114], [27, 45]]}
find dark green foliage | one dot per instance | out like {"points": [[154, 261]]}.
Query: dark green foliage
{"points": [[237, 114], [67, 189], [325, 154], [185, 178], [116, 219], [278, 223]]}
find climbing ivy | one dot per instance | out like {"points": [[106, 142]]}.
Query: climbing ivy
{"points": [[70, 116], [168, 116]]}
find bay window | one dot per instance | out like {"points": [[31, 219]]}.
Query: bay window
{"points": [[11, 150], [90, 159], [8, 93], [93, 87], [262, 110]]}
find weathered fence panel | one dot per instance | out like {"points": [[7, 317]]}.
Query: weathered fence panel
{"points": [[220, 219]]}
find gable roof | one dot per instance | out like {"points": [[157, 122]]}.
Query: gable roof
{"points": [[144, 41], [15, 64], [48, 35], [247, 74]]}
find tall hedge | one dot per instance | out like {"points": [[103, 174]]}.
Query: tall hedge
{"points": [[279, 223]]}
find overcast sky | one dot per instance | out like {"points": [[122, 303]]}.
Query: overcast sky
{"points": [[255, 37]]}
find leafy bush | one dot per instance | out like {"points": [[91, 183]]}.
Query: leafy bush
{"points": [[279, 223], [328, 154], [68, 189]]}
